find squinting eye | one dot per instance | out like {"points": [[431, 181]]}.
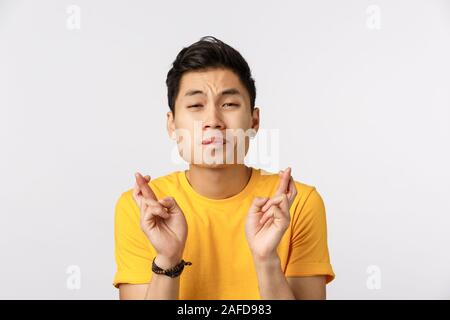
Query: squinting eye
{"points": [[231, 104], [195, 105]]}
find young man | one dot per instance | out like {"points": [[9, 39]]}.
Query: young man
{"points": [[221, 229]]}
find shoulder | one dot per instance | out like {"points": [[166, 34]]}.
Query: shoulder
{"points": [[309, 209], [307, 196]]}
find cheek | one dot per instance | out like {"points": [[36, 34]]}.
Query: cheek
{"points": [[240, 120], [188, 120], [184, 120]]}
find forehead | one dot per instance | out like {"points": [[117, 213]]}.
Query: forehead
{"points": [[210, 80]]}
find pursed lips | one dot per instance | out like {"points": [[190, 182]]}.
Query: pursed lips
{"points": [[214, 140]]}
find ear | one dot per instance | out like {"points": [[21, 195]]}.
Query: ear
{"points": [[255, 119], [171, 125]]}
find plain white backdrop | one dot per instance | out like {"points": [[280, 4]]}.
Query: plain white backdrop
{"points": [[359, 91]]}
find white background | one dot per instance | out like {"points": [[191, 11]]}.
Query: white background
{"points": [[363, 115]]}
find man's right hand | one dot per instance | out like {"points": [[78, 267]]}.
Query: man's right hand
{"points": [[162, 221]]}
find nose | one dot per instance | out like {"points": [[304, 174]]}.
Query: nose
{"points": [[213, 119]]}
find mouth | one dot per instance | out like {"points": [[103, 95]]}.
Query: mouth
{"points": [[214, 140]]}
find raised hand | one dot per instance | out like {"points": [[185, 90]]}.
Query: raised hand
{"points": [[268, 219], [162, 221]]}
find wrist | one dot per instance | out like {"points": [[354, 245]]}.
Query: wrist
{"points": [[267, 261], [167, 262]]}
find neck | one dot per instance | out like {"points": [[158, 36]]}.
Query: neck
{"points": [[218, 183]]}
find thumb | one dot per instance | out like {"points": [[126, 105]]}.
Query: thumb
{"points": [[274, 201], [170, 204], [257, 204]]}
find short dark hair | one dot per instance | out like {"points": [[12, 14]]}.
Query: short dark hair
{"points": [[208, 52]]}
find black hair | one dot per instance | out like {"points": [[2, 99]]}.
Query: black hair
{"points": [[208, 52]]}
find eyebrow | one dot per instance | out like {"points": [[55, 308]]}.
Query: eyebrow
{"points": [[231, 91]]}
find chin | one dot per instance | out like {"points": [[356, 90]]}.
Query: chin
{"points": [[212, 166]]}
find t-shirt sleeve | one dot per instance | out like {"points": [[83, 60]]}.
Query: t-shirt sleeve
{"points": [[133, 251], [309, 254]]}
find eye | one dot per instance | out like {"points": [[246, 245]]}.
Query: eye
{"points": [[230, 104], [195, 106]]}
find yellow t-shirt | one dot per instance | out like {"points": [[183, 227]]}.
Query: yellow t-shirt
{"points": [[222, 265]]}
